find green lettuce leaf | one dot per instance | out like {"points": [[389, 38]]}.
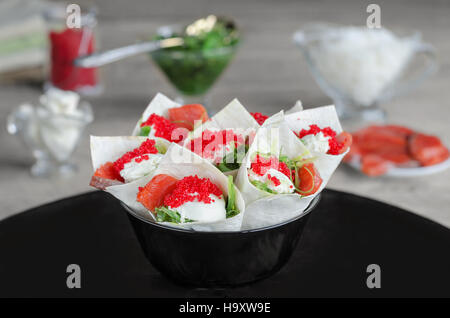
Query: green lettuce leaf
{"points": [[232, 209], [161, 149], [231, 162], [164, 214], [262, 186], [145, 131]]}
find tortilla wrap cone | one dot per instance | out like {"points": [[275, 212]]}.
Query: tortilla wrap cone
{"points": [[109, 149], [264, 209], [160, 105], [325, 116], [179, 162], [234, 116]]}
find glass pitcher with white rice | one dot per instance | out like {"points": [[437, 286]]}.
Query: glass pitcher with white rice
{"points": [[359, 67]]}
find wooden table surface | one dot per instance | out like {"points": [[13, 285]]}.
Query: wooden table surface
{"points": [[268, 74]]}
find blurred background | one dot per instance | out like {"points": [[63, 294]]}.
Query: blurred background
{"points": [[267, 74]]}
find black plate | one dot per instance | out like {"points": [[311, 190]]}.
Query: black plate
{"points": [[344, 234]]}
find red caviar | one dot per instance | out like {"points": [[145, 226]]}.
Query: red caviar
{"points": [[335, 146], [141, 158], [147, 147], [190, 189], [274, 179], [162, 126], [261, 165], [212, 141], [260, 118]]}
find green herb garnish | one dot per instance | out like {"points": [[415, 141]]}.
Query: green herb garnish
{"points": [[161, 148], [164, 214], [232, 209], [231, 161], [145, 131], [262, 186]]}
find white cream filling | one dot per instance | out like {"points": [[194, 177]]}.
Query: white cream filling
{"points": [[317, 143], [134, 170], [285, 186], [203, 212]]}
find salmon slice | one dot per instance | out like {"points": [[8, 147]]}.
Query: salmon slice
{"points": [[394, 129], [102, 183], [373, 140], [345, 139], [399, 130], [185, 116], [379, 146], [107, 171], [400, 157], [428, 150], [374, 165], [310, 179], [152, 195]]}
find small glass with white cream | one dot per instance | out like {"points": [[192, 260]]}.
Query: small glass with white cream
{"points": [[51, 130]]}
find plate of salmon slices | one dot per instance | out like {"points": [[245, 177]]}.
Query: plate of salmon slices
{"points": [[396, 151]]}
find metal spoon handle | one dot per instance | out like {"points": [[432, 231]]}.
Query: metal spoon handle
{"points": [[102, 58]]}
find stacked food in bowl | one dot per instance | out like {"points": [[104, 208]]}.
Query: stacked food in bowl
{"points": [[235, 171], [220, 201]]}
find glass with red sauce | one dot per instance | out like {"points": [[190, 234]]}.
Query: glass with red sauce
{"points": [[66, 44]]}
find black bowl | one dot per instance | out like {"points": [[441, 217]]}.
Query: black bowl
{"points": [[218, 259]]}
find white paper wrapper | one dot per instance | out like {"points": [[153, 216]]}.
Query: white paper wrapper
{"points": [[160, 105], [273, 139], [127, 193], [325, 116], [298, 107], [111, 148], [322, 116], [234, 116], [105, 149], [179, 162], [264, 209]]}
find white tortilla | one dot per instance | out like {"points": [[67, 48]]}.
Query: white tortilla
{"points": [[298, 107], [321, 116], [271, 139], [111, 148], [234, 116], [127, 193], [179, 162], [325, 116], [265, 209], [160, 105], [105, 149]]}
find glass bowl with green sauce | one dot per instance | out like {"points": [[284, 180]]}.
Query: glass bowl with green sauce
{"points": [[195, 66]]}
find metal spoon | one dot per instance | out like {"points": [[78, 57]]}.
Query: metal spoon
{"points": [[99, 59]]}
